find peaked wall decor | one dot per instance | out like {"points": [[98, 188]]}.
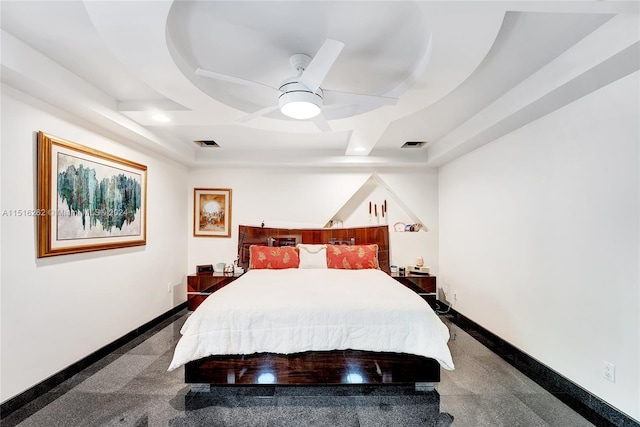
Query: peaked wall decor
{"points": [[355, 209]]}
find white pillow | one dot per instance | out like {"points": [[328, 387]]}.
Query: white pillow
{"points": [[312, 256]]}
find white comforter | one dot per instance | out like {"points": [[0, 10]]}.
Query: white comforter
{"points": [[296, 310]]}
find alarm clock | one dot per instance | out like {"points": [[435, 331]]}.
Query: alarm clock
{"points": [[203, 269]]}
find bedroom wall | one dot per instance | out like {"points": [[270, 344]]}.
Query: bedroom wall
{"points": [[539, 237], [294, 197], [57, 310]]}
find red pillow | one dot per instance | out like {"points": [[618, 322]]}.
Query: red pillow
{"points": [[276, 258], [353, 257]]}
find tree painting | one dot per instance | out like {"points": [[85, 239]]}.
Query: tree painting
{"points": [[110, 201]]}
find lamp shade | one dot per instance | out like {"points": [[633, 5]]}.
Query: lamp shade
{"points": [[300, 104]]}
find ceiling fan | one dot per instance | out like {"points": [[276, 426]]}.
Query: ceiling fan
{"points": [[301, 97]]}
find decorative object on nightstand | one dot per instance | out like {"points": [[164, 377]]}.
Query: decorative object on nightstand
{"points": [[415, 269]]}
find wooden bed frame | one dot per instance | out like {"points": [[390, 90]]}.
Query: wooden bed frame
{"points": [[313, 367]]}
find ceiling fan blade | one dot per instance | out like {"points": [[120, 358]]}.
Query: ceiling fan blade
{"points": [[320, 65], [321, 123], [333, 97], [231, 79], [259, 113]]}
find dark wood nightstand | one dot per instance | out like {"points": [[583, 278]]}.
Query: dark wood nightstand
{"points": [[422, 284], [200, 286]]}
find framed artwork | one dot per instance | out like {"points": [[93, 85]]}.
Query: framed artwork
{"points": [[212, 212], [88, 200]]}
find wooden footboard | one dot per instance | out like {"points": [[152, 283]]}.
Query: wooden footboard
{"points": [[329, 367]]}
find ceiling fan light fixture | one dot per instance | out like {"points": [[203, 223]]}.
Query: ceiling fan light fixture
{"points": [[300, 105]]}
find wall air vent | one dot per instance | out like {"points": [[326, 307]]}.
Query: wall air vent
{"points": [[208, 143], [413, 144]]}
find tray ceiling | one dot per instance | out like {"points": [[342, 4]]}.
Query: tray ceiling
{"points": [[457, 69]]}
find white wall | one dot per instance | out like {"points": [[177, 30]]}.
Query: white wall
{"points": [[57, 310], [310, 198], [539, 236]]}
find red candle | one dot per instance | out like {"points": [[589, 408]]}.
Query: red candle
{"points": [[369, 208], [385, 205], [375, 207]]}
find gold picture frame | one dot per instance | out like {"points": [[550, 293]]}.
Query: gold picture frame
{"points": [[212, 212], [88, 200]]}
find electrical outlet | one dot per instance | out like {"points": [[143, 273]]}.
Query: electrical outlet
{"points": [[169, 287], [609, 371]]}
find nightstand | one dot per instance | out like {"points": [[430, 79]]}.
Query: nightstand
{"points": [[200, 286], [422, 284]]}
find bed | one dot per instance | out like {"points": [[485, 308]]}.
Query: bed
{"points": [[312, 324]]}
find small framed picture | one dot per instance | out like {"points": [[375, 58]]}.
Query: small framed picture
{"points": [[212, 212]]}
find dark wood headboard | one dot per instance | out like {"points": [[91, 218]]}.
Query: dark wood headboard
{"points": [[248, 235]]}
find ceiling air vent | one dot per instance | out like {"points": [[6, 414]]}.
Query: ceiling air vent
{"points": [[209, 143], [413, 144]]}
